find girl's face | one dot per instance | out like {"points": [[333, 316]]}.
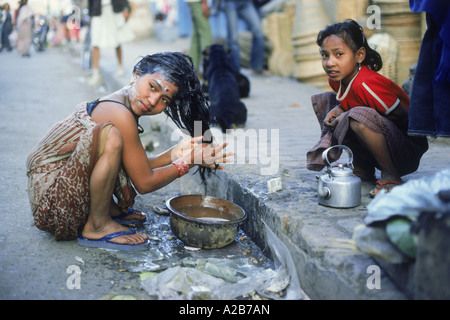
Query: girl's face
{"points": [[150, 94], [338, 60]]}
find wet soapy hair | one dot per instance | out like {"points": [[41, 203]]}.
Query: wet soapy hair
{"points": [[353, 35], [189, 104]]}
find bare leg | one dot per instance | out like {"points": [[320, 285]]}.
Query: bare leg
{"points": [[95, 79], [95, 57], [375, 143], [120, 71], [119, 54], [103, 178]]}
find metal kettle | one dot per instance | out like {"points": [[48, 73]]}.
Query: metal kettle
{"points": [[338, 187]]}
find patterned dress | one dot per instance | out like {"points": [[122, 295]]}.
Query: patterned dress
{"points": [[59, 169]]}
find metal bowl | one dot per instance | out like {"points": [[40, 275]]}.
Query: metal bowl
{"points": [[204, 222]]}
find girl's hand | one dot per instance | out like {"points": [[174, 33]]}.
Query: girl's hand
{"points": [[213, 155], [194, 152], [333, 117], [184, 147]]}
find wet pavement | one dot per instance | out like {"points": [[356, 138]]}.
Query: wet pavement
{"points": [[34, 266]]}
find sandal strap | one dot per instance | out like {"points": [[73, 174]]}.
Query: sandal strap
{"points": [[381, 184], [117, 234]]}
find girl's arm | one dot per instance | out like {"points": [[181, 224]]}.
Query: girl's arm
{"points": [[150, 175], [160, 160], [399, 116], [176, 152]]}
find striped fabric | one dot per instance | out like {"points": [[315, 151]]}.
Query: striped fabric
{"points": [[387, 108], [58, 170]]}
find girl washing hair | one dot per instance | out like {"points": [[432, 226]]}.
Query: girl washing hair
{"points": [[366, 112], [84, 174]]}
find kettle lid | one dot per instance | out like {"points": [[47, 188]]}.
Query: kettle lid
{"points": [[341, 171]]}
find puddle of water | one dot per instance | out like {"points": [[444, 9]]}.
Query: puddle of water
{"points": [[176, 271], [231, 272], [168, 251]]}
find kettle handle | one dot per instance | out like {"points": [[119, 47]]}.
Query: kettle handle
{"points": [[349, 152]]}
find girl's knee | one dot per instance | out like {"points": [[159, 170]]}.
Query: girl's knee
{"points": [[356, 126], [111, 140], [114, 138]]}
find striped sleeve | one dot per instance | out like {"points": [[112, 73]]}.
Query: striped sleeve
{"points": [[380, 94]]}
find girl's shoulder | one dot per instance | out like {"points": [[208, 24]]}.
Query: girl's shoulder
{"points": [[112, 110], [367, 74], [374, 79], [380, 92], [370, 78]]}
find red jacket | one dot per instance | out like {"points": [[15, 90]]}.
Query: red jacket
{"points": [[371, 89]]}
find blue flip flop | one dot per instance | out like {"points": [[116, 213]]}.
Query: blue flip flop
{"points": [[121, 218], [105, 243]]}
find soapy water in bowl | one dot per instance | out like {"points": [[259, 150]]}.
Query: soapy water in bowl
{"points": [[212, 219], [206, 214]]}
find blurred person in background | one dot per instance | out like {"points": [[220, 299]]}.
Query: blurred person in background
{"points": [[108, 30], [201, 30], [7, 28], [245, 10], [24, 27]]}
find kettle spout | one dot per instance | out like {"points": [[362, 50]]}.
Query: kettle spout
{"points": [[324, 192]]}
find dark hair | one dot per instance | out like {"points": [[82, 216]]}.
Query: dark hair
{"points": [[189, 104], [353, 35]]}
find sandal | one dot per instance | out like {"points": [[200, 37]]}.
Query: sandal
{"points": [[105, 242], [383, 185]]}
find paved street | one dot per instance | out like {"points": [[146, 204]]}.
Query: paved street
{"points": [[38, 91]]}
